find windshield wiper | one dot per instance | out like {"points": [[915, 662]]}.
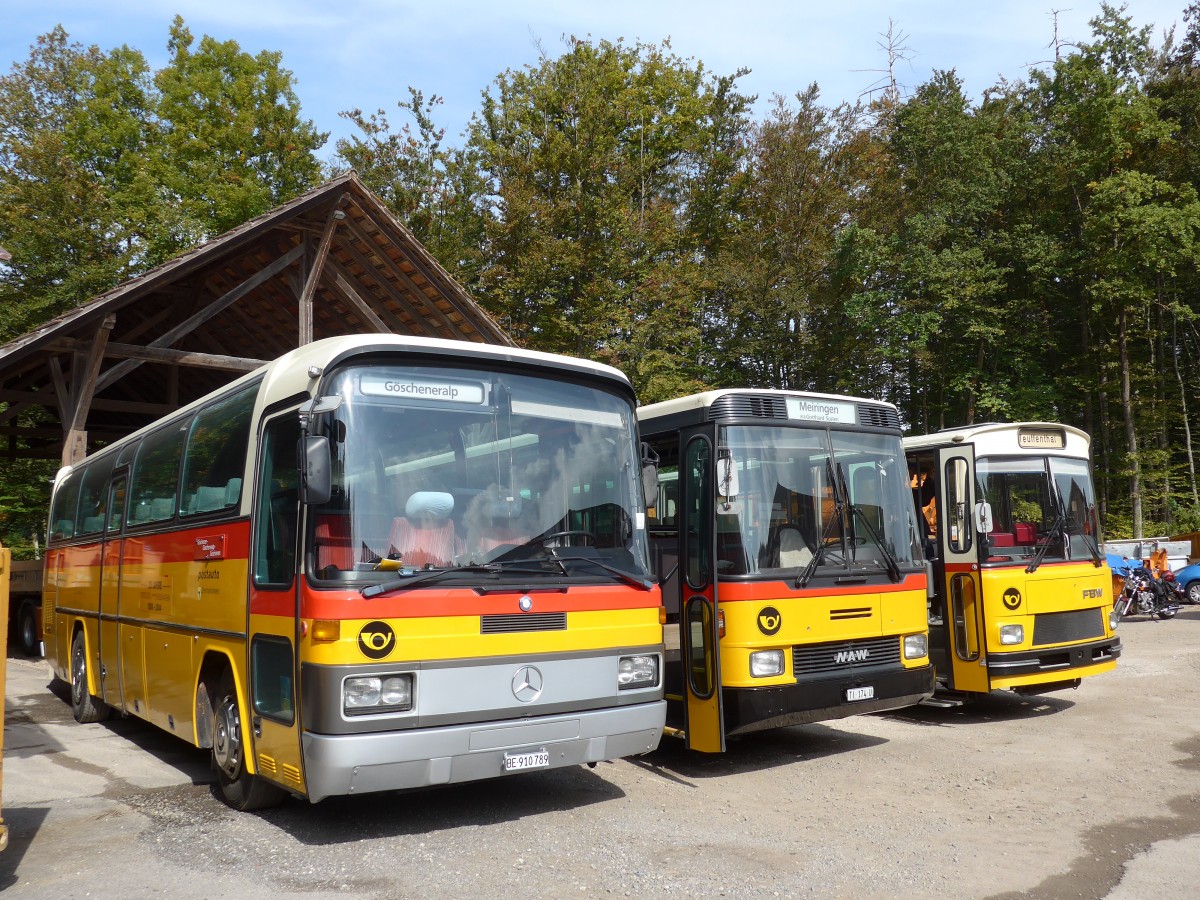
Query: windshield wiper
{"points": [[1088, 540], [891, 563], [839, 511], [410, 578], [1056, 530], [644, 583]]}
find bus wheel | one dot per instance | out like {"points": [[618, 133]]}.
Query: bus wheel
{"points": [[85, 707], [27, 628], [239, 788]]}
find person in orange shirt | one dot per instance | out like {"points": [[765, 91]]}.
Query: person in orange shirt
{"points": [[1158, 562]]}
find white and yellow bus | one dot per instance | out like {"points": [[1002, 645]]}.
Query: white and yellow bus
{"points": [[1022, 599], [375, 563], [786, 543]]}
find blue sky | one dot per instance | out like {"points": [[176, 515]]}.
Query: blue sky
{"points": [[364, 53]]}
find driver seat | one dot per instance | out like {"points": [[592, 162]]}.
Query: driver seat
{"points": [[425, 535]]}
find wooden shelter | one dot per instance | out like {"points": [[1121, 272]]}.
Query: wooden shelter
{"points": [[333, 261]]}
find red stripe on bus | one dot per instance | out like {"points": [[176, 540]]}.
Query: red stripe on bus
{"points": [[774, 590], [425, 602]]}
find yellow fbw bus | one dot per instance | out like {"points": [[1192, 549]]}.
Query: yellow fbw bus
{"points": [[786, 543], [375, 563], [1022, 600]]}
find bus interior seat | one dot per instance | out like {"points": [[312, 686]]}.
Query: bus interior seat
{"points": [[794, 551], [92, 523], [425, 534], [331, 538], [1002, 538], [207, 498]]}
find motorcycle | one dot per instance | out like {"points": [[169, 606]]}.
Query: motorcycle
{"points": [[1145, 595]]}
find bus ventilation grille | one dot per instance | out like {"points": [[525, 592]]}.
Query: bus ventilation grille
{"points": [[739, 406], [528, 622], [809, 660], [1076, 625], [878, 416]]}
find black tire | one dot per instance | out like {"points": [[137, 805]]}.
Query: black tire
{"points": [[86, 707], [239, 788], [27, 630]]}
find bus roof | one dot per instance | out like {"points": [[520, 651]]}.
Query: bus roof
{"points": [[289, 375], [1009, 438], [727, 399]]}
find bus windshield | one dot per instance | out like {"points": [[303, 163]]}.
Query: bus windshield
{"points": [[1040, 504], [791, 484], [437, 467]]}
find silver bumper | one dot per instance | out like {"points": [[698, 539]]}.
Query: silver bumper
{"points": [[361, 763]]}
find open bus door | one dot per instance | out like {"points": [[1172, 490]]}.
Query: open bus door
{"points": [[274, 719], [699, 631], [960, 587]]}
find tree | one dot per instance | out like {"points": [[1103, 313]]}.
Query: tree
{"points": [[75, 195], [233, 144], [607, 182]]}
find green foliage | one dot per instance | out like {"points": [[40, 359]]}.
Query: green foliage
{"points": [[107, 169]]}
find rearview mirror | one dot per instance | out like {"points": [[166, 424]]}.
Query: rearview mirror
{"points": [[983, 517], [315, 481], [727, 476]]}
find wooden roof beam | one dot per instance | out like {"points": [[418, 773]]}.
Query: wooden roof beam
{"points": [[170, 357], [213, 309]]}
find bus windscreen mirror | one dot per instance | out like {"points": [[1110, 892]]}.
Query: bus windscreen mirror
{"points": [[650, 482], [983, 517], [314, 469], [727, 476]]}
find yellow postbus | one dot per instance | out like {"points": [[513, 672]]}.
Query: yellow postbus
{"points": [[785, 540], [1022, 600], [375, 563]]}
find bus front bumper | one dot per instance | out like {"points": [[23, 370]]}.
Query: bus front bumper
{"points": [[1053, 659], [820, 700], [399, 760]]}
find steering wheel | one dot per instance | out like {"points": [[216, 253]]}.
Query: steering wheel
{"points": [[589, 538]]}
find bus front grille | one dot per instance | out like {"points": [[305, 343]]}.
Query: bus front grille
{"points": [[556, 621], [811, 660], [1060, 627]]}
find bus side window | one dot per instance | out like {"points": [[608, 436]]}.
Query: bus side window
{"points": [[66, 503], [93, 496], [275, 541], [156, 475], [216, 455]]}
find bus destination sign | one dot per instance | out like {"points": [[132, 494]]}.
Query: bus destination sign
{"points": [[1041, 439], [816, 410], [422, 389]]}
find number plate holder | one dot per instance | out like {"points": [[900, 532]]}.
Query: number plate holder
{"points": [[866, 692], [532, 759]]}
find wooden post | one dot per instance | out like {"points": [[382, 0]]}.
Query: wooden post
{"points": [[314, 276], [75, 441]]}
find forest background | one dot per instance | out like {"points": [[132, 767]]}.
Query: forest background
{"points": [[1033, 255]]}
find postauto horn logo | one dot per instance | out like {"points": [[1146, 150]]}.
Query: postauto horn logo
{"points": [[376, 640]]}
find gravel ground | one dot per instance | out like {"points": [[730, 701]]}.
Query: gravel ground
{"points": [[1089, 793]]}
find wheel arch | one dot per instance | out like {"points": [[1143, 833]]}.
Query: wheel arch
{"points": [[213, 666]]}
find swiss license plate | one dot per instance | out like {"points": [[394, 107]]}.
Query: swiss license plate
{"points": [[515, 762], [860, 693]]}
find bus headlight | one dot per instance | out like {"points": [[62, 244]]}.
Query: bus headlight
{"points": [[1114, 619], [765, 663], [916, 646], [1012, 634], [637, 672], [376, 694]]}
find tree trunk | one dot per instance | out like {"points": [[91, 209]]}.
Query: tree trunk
{"points": [[1135, 475], [1187, 427]]}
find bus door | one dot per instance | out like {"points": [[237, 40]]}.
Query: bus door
{"points": [[698, 618], [110, 592], [274, 719], [961, 586]]}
